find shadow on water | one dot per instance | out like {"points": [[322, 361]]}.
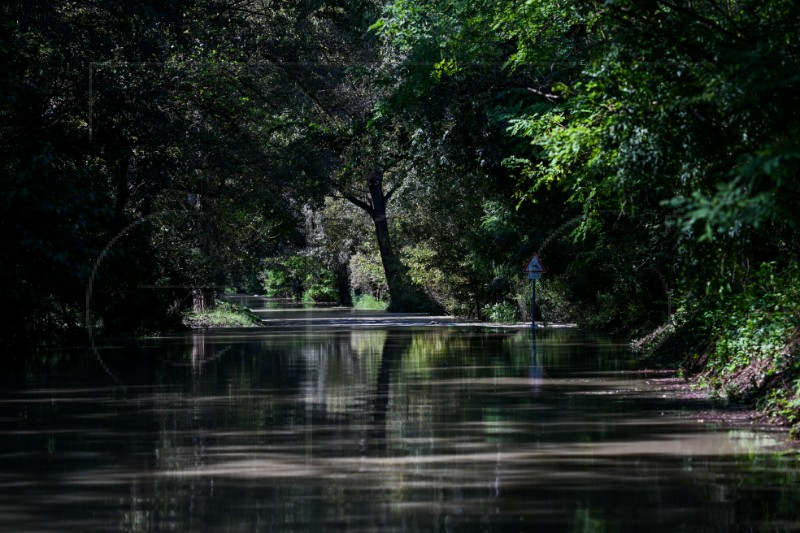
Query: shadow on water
{"points": [[375, 429]]}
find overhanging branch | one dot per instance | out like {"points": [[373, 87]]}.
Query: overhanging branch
{"points": [[359, 203]]}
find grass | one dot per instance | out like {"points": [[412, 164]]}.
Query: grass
{"points": [[369, 302], [223, 315]]}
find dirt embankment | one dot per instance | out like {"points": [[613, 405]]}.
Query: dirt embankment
{"points": [[708, 408]]}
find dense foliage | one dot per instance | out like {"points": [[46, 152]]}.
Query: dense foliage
{"points": [[670, 131], [153, 152], [414, 151]]}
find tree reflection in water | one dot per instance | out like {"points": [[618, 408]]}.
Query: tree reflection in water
{"points": [[398, 428]]}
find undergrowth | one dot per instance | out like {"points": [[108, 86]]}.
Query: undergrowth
{"points": [[368, 302], [501, 312], [223, 315], [745, 345]]}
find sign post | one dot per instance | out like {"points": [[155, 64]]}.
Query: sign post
{"points": [[534, 269]]}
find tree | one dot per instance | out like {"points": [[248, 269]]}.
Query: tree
{"points": [[668, 115], [454, 90], [687, 111], [369, 181], [115, 113]]}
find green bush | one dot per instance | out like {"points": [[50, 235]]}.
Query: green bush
{"points": [[323, 291], [425, 270], [745, 344], [367, 276], [756, 324], [368, 302], [502, 312], [223, 315], [276, 284], [300, 277]]}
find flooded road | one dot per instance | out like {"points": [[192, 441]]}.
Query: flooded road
{"points": [[324, 426]]}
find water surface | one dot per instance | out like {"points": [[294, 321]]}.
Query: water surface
{"points": [[356, 428]]}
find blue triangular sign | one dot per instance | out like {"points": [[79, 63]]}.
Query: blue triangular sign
{"points": [[535, 265]]}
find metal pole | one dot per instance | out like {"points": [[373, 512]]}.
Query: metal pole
{"points": [[533, 304]]}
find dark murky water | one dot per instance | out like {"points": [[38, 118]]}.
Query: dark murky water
{"points": [[323, 428]]}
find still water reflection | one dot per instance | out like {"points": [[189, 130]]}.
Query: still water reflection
{"points": [[374, 429]]}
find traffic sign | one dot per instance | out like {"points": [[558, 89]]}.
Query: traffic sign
{"points": [[534, 269], [535, 265]]}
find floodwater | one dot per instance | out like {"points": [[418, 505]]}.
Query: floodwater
{"points": [[378, 425]]}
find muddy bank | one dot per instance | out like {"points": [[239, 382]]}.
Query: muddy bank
{"points": [[707, 407]]}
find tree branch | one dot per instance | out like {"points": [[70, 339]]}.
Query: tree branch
{"points": [[359, 203], [389, 194], [549, 96]]}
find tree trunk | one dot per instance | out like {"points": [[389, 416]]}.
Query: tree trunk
{"points": [[392, 267], [342, 270], [203, 299], [203, 296], [382, 235], [402, 295]]}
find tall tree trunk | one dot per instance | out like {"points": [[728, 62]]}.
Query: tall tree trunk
{"points": [[203, 296], [342, 270], [391, 263]]}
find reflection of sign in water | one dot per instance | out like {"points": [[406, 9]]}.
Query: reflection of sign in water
{"points": [[536, 372]]}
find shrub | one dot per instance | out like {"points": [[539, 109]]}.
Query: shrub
{"points": [[224, 314], [299, 276], [368, 302], [503, 312], [367, 276], [745, 343], [322, 291]]}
